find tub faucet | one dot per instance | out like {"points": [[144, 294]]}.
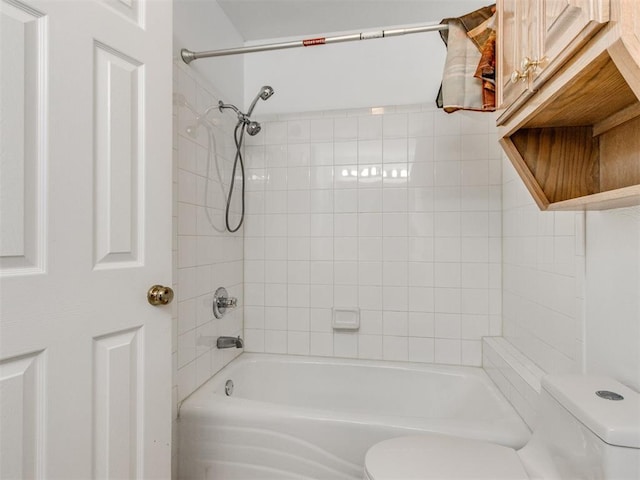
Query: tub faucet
{"points": [[229, 342]]}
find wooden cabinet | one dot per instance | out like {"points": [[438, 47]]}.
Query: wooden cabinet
{"points": [[516, 26], [573, 134], [537, 38]]}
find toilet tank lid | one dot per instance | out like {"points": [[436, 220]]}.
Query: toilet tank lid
{"points": [[616, 422]]}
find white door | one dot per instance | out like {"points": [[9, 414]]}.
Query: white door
{"points": [[85, 230]]}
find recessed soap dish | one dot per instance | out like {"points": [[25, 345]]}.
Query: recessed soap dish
{"points": [[346, 319]]}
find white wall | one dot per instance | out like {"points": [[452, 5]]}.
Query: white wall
{"points": [[202, 25], [613, 295], [393, 71], [203, 258], [571, 286], [207, 257], [543, 265], [396, 213]]}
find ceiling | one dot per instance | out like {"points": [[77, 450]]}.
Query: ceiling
{"points": [[265, 19]]}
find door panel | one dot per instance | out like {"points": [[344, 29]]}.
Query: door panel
{"points": [[117, 408], [22, 416], [85, 230], [566, 26], [22, 136], [117, 177], [517, 35], [554, 9]]}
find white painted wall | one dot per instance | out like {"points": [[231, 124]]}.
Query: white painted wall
{"points": [[393, 71], [571, 286], [202, 25], [613, 295], [260, 19]]}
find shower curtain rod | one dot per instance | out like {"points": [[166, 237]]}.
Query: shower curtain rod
{"points": [[189, 56]]}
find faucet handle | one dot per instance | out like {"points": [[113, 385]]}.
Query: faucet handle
{"points": [[231, 302], [222, 301]]}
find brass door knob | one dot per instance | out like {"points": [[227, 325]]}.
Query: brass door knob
{"points": [[159, 295]]}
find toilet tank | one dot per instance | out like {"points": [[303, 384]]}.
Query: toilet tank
{"points": [[581, 434]]}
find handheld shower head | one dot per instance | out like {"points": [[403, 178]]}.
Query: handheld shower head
{"points": [[264, 93], [251, 127]]}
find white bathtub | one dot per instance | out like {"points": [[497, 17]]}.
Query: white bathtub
{"points": [[314, 418]]}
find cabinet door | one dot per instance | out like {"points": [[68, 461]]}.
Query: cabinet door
{"points": [[517, 39], [565, 26]]}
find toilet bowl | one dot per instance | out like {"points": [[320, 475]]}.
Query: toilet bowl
{"points": [[587, 428], [442, 457]]}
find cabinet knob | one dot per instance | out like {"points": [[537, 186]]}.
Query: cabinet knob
{"points": [[526, 66], [518, 76]]}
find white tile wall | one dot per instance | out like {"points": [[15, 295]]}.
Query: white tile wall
{"points": [[396, 213], [569, 295], [544, 269], [205, 257]]}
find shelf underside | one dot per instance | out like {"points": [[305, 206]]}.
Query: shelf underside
{"points": [[597, 93]]}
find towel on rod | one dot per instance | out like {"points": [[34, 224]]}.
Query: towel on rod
{"points": [[485, 35], [468, 82]]}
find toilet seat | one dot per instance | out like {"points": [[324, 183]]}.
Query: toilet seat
{"points": [[437, 456]]}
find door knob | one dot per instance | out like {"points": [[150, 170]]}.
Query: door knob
{"points": [[159, 295]]}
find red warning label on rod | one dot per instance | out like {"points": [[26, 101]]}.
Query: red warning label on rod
{"points": [[310, 42]]}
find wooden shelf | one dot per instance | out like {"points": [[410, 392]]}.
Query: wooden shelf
{"points": [[576, 142]]}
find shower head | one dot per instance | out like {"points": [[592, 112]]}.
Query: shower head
{"points": [[264, 93], [253, 128]]}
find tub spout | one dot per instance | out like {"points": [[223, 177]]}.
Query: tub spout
{"points": [[229, 342]]}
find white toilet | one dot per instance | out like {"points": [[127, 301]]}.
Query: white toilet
{"points": [[588, 428]]}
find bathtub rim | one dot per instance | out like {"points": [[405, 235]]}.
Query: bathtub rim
{"points": [[199, 396]]}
